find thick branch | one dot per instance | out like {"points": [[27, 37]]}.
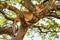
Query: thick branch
{"points": [[4, 5], [8, 31], [22, 31], [4, 14], [58, 7], [51, 2], [28, 4], [53, 15]]}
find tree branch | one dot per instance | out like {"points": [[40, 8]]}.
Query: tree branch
{"points": [[28, 4], [4, 14], [39, 27], [8, 31], [4, 5]]}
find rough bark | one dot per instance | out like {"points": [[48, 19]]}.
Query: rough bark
{"points": [[6, 31], [21, 32]]}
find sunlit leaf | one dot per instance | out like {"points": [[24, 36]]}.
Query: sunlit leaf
{"points": [[28, 33], [58, 12], [49, 38], [52, 34]]}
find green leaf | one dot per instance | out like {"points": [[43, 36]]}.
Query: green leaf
{"points": [[42, 24], [28, 33], [52, 34], [38, 1], [49, 38], [58, 12], [56, 36]]}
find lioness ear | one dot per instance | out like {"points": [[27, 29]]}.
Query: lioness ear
{"points": [[38, 8]]}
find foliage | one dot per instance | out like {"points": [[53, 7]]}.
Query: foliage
{"points": [[48, 25]]}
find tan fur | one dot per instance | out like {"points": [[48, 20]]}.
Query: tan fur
{"points": [[27, 16]]}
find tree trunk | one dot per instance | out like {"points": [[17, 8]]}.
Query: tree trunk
{"points": [[21, 32]]}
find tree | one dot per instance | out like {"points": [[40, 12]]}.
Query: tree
{"points": [[28, 15]]}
